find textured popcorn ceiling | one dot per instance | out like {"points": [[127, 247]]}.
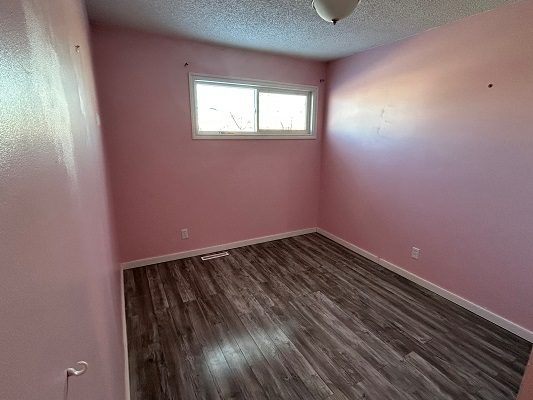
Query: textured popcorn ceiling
{"points": [[286, 26]]}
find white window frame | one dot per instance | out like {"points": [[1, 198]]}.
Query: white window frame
{"points": [[261, 86]]}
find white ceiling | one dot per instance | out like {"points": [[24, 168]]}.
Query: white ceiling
{"points": [[286, 26]]}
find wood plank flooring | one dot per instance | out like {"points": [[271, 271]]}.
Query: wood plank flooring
{"points": [[305, 318]]}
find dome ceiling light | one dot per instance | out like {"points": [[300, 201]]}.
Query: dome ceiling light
{"points": [[334, 10]]}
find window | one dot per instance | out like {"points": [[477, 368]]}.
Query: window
{"points": [[224, 108]]}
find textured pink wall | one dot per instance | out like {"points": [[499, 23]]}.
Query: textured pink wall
{"points": [[59, 285], [162, 180], [418, 151]]}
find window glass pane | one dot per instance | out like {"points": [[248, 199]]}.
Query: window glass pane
{"points": [[283, 112], [225, 108]]}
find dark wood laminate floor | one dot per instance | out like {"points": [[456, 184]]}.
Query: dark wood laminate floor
{"points": [[304, 318]]}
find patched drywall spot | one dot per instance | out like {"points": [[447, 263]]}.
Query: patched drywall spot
{"points": [[78, 70]]}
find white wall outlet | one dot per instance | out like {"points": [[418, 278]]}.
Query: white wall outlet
{"points": [[184, 234], [415, 253]]}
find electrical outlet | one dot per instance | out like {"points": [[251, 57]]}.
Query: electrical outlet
{"points": [[184, 234], [415, 253]]}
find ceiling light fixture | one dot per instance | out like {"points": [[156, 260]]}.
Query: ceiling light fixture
{"points": [[334, 10]]}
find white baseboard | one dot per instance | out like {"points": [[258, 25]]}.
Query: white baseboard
{"points": [[212, 249], [476, 309], [124, 337], [349, 245]]}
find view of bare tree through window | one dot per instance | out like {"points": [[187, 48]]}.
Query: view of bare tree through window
{"points": [[225, 108], [283, 112]]}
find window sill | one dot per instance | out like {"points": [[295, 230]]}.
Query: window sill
{"points": [[254, 137]]}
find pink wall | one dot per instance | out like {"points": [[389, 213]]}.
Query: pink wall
{"points": [[418, 151], [59, 286], [162, 180]]}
